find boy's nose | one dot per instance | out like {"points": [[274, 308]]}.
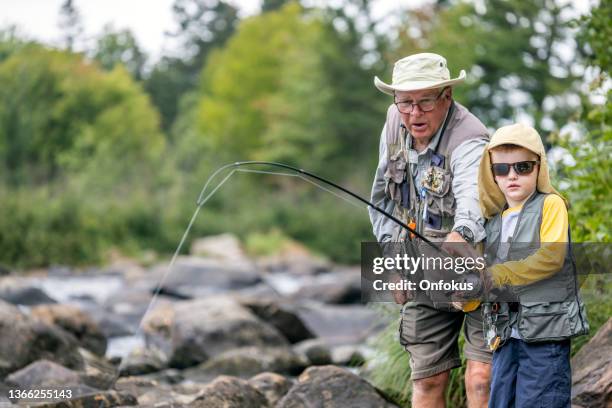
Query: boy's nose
{"points": [[512, 174]]}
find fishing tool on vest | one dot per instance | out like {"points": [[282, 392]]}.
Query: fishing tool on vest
{"points": [[492, 338]]}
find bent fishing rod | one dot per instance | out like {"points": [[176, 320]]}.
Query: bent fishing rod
{"points": [[201, 199]]}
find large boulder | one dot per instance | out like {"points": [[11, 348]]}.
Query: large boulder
{"points": [[341, 286], [75, 321], [332, 387], [230, 392], [24, 295], [247, 361], [280, 316], [592, 371], [143, 361], [43, 373], [190, 332], [195, 277], [24, 340], [315, 350], [341, 324]]}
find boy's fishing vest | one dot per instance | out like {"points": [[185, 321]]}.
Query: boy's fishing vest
{"points": [[435, 197], [547, 310]]}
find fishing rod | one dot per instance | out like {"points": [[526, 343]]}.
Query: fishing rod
{"points": [[201, 199]]}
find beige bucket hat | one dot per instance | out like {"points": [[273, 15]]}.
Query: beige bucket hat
{"points": [[418, 72], [492, 200]]}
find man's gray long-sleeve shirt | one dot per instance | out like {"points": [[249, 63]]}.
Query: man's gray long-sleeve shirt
{"points": [[464, 166]]}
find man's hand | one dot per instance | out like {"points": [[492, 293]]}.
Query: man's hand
{"points": [[454, 244]]}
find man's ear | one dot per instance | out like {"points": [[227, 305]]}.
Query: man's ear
{"points": [[449, 93]]}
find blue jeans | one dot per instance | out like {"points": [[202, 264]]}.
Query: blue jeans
{"points": [[531, 375]]}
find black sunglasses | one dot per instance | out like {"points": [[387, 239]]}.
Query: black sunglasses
{"points": [[521, 168]]}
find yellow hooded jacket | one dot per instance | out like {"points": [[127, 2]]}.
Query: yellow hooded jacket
{"points": [[548, 260]]}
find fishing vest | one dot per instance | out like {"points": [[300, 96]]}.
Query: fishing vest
{"points": [[548, 310], [432, 211]]}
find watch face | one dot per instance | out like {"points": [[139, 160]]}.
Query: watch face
{"points": [[466, 233]]}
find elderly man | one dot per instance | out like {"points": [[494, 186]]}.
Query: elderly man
{"points": [[430, 149]]}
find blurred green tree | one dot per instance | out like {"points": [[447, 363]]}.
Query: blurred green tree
{"points": [[119, 47], [520, 56], [202, 26], [59, 113], [586, 178], [70, 24], [285, 88]]}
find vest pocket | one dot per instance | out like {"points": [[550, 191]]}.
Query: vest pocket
{"points": [[543, 321], [396, 168], [440, 199]]}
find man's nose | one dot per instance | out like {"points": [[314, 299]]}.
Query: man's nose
{"points": [[513, 175]]}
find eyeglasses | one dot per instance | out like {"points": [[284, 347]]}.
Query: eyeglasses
{"points": [[425, 105], [521, 168]]}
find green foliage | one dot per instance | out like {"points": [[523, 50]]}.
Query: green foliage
{"points": [[586, 179], [265, 243], [59, 113], [511, 52], [203, 26], [301, 92], [595, 35], [115, 47]]}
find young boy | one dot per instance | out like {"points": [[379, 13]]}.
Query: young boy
{"points": [[528, 245]]}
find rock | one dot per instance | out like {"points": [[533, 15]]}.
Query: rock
{"points": [[315, 350], [592, 371], [43, 373], [75, 321], [341, 324], [95, 400], [157, 397], [28, 295], [332, 387], [295, 259], [247, 361], [348, 354], [130, 304], [336, 287], [190, 332], [151, 393], [193, 277], [273, 386], [143, 361], [167, 376], [112, 325], [281, 317], [230, 392], [24, 340], [225, 247], [97, 371]]}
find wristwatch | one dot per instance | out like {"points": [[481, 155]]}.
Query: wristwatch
{"points": [[466, 233]]}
